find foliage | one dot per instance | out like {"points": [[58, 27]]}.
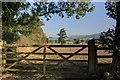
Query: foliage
{"points": [[35, 37], [16, 23], [10, 37], [60, 8], [62, 36], [23, 18], [107, 38], [76, 41], [111, 8]]}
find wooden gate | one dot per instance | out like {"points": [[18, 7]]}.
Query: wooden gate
{"points": [[58, 60], [66, 60], [18, 60], [47, 59]]}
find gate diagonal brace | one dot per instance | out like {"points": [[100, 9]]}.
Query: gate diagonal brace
{"points": [[57, 53], [71, 56], [23, 58], [66, 59], [75, 52]]}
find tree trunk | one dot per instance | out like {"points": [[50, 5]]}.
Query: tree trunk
{"points": [[116, 54]]}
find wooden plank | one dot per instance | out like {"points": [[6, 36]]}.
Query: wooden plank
{"points": [[41, 65], [51, 60], [37, 53], [12, 59], [9, 45], [47, 45], [20, 70], [10, 53], [67, 45], [17, 53], [40, 71], [66, 54], [20, 64]]}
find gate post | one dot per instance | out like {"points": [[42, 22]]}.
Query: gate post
{"points": [[44, 61], [3, 56], [92, 56]]}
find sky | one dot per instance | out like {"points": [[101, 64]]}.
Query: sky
{"points": [[92, 23]]}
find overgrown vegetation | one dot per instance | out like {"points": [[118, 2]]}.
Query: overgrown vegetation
{"points": [[18, 22], [24, 17], [37, 37], [107, 38]]}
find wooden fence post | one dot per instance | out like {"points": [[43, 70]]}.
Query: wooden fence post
{"points": [[3, 56], [44, 61], [92, 56], [3, 60]]}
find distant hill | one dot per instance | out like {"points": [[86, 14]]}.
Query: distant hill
{"points": [[52, 38], [95, 36]]}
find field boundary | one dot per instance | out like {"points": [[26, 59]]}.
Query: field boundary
{"points": [[13, 59]]}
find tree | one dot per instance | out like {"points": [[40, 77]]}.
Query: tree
{"points": [[82, 41], [62, 36], [107, 38], [16, 23], [36, 37], [23, 18], [113, 9], [76, 41]]}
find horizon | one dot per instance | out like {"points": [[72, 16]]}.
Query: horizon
{"points": [[74, 35], [94, 22]]}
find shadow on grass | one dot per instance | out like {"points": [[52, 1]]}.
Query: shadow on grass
{"points": [[63, 71]]}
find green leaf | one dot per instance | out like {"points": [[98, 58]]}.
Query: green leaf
{"points": [[77, 17]]}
